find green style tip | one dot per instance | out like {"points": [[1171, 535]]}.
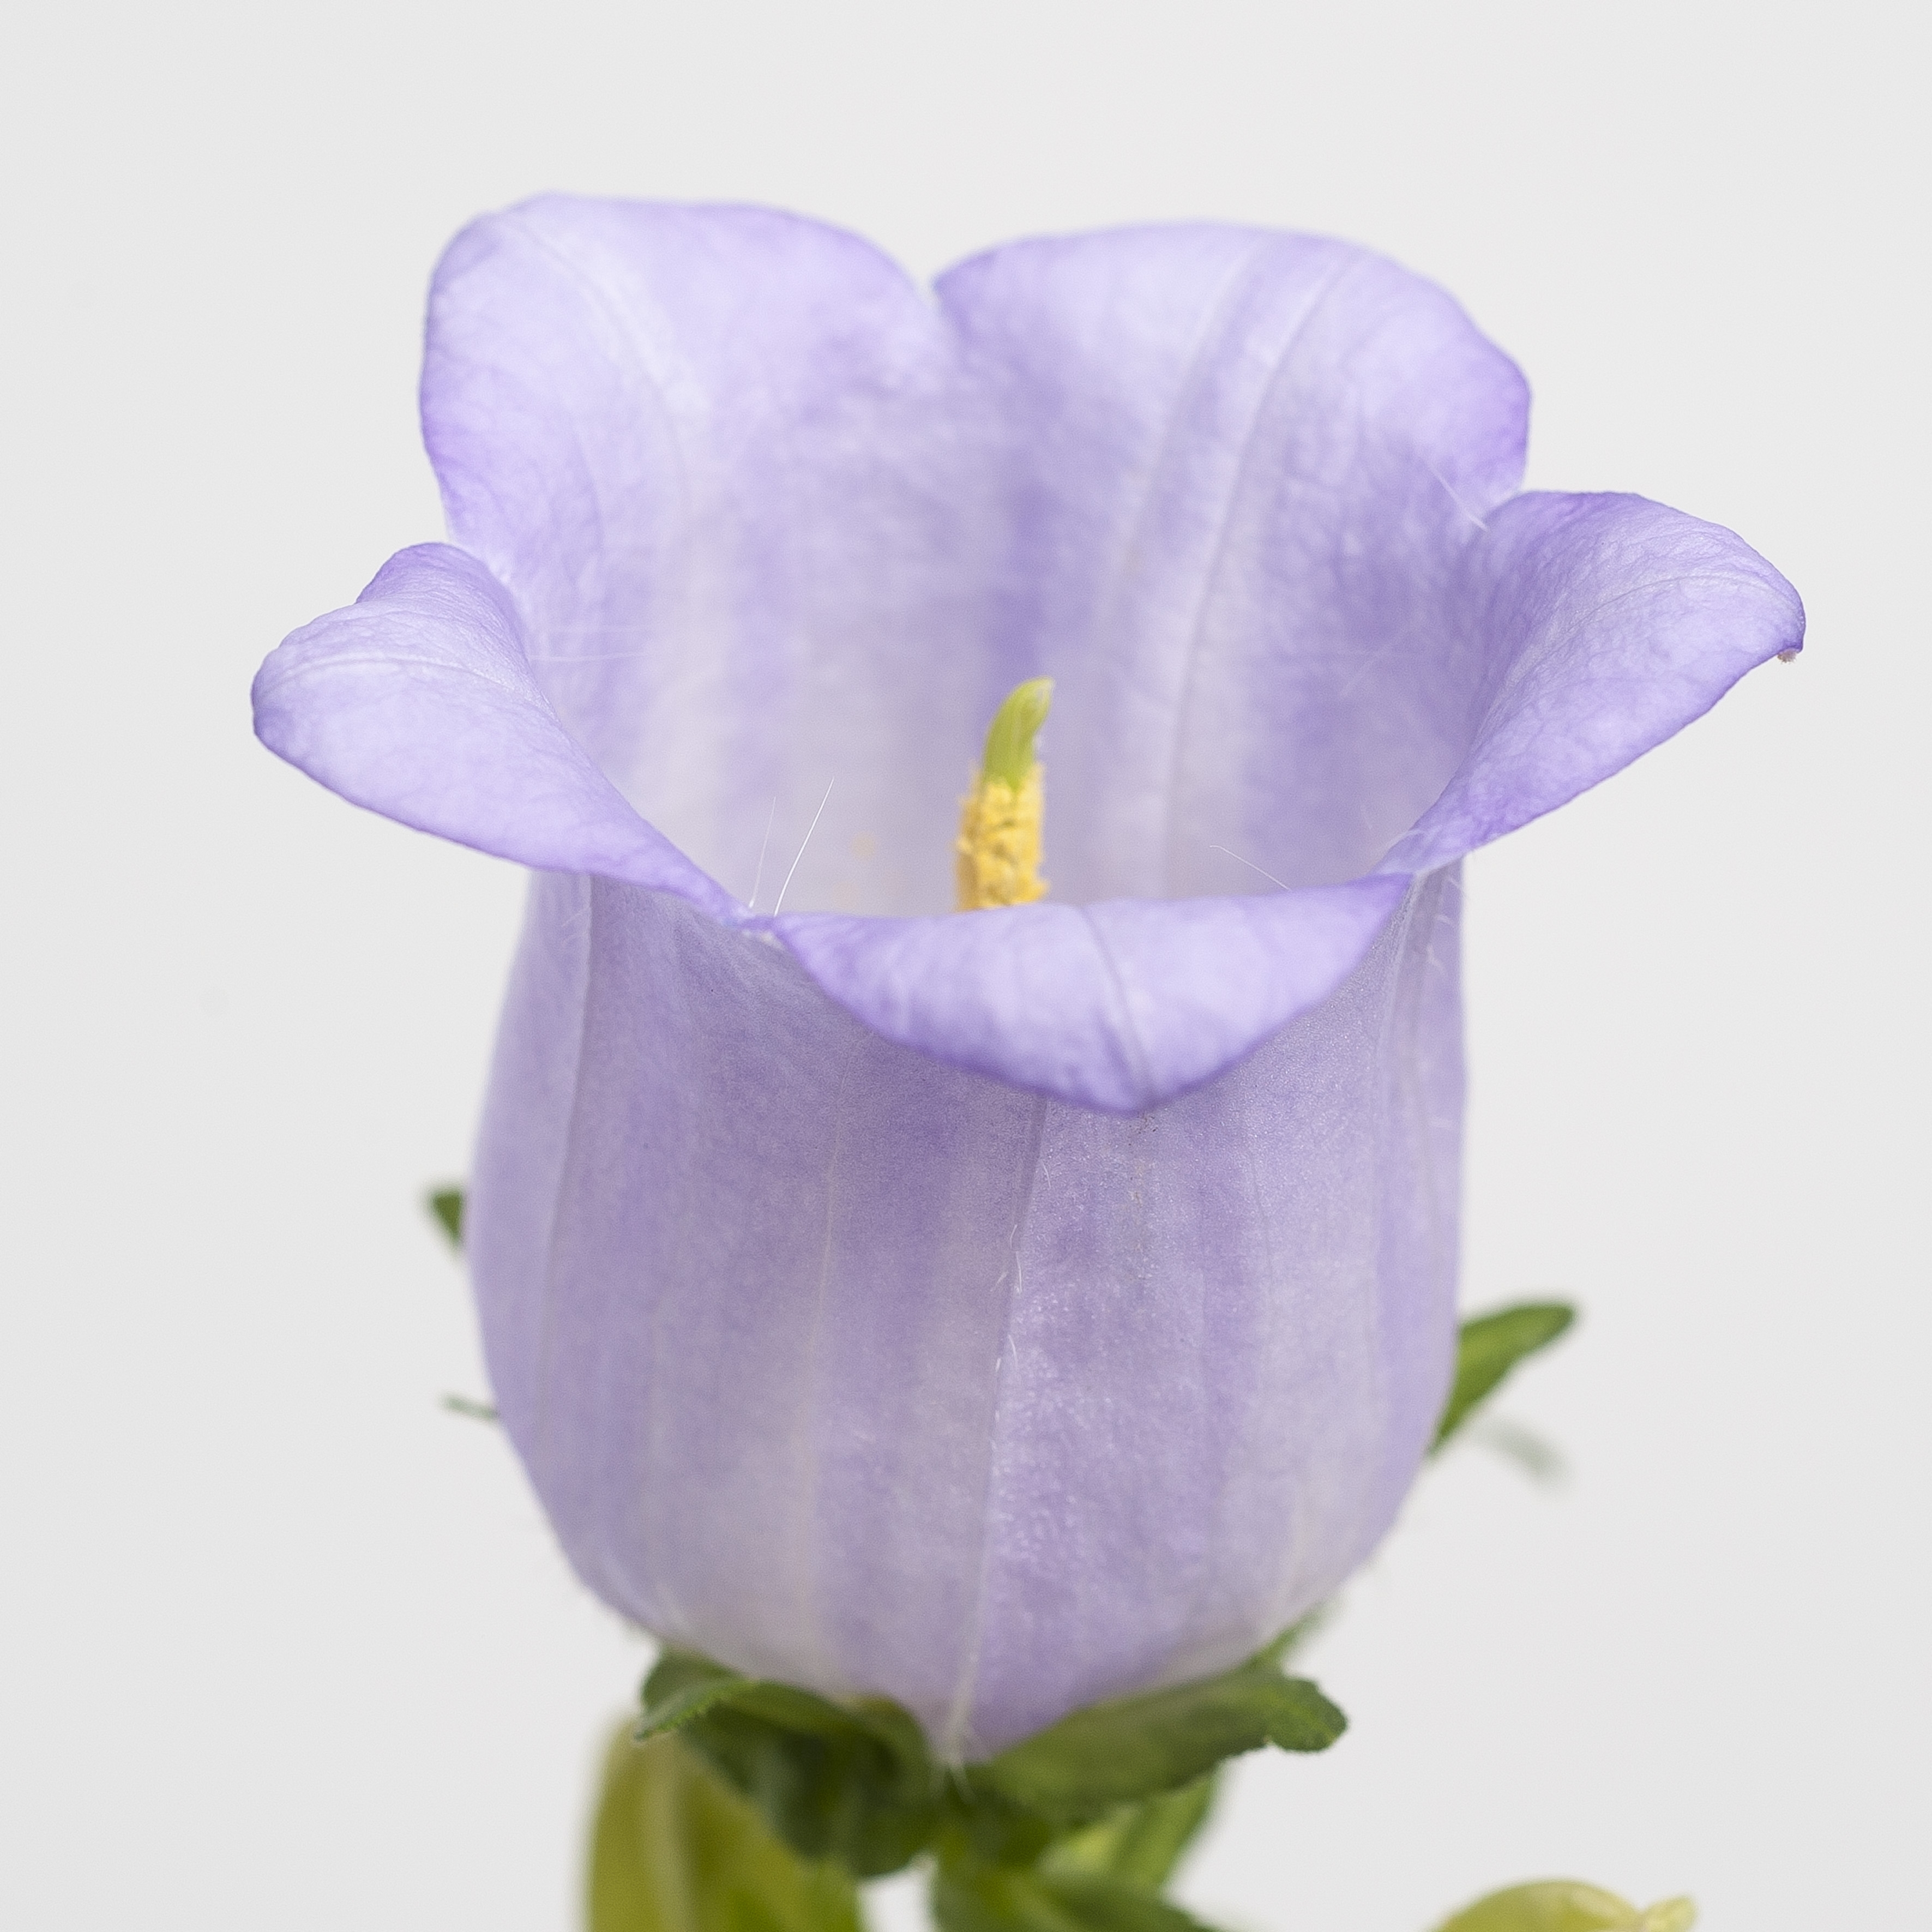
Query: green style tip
{"points": [[1010, 737]]}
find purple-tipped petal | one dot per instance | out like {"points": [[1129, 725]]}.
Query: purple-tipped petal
{"points": [[713, 453], [1241, 471], [1611, 622], [1120, 1006], [417, 702]]}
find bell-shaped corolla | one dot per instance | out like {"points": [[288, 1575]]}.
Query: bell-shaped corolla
{"points": [[1000, 1310]]}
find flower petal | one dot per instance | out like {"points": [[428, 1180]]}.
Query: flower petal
{"points": [[417, 701], [1239, 470], [1120, 1006], [1610, 622], [712, 452]]}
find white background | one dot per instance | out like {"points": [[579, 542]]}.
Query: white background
{"points": [[285, 1645]]}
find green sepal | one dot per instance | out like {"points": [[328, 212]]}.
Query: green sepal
{"points": [[1134, 1748], [1139, 1844], [1489, 1347], [1278, 1649], [851, 1781], [446, 1204], [978, 1826], [1564, 1905], [1016, 1898], [673, 1849], [682, 1686]]}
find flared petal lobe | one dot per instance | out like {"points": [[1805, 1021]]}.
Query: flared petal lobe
{"points": [[1611, 622], [1120, 1006], [1238, 472], [872, 1374], [713, 454], [418, 702]]}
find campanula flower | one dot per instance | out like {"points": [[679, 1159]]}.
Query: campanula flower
{"points": [[1004, 1309]]}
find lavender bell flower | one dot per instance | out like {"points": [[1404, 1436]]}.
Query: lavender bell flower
{"points": [[1002, 1310]]}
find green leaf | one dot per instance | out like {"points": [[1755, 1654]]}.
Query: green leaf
{"points": [[1489, 1347], [1134, 1748], [850, 1781], [1563, 1905], [1139, 1844], [1013, 1898], [673, 1850], [1108, 1905], [446, 1204]]}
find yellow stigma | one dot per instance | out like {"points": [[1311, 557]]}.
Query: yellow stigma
{"points": [[998, 851]]}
